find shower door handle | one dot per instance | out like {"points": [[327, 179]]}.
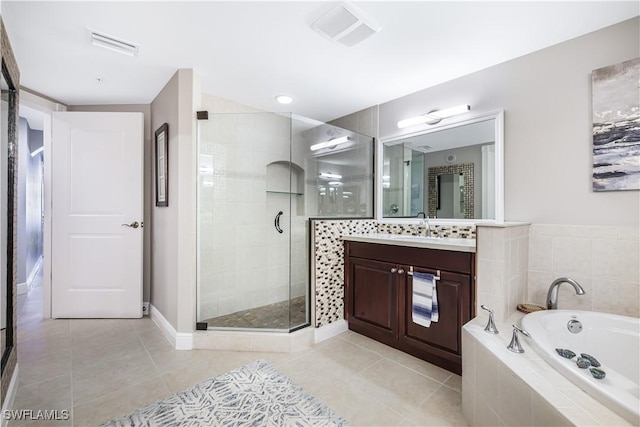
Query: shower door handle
{"points": [[276, 223]]}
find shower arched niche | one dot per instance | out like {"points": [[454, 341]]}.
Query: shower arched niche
{"points": [[261, 176]]}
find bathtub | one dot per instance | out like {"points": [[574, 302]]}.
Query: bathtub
{"points": [[613, 340]]}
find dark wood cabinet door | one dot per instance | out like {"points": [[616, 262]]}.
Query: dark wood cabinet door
{"points": [[373, 296], [453, 291], [378, 298]]}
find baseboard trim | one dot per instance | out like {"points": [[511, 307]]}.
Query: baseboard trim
{"points": [[331, 330], [10, 397], [184, 341], [34, 271], [25, 287], [179, 340]]}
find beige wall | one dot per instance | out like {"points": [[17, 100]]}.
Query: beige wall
{"points": [[364, 121], [164, 220], [173, 245], [548, 139], [146, 110]]}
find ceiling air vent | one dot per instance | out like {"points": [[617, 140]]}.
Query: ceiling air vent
{"points": [[347, 25], [112, 43]]}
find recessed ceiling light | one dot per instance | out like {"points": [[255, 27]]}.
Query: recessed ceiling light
{"points": [[284, 99]]}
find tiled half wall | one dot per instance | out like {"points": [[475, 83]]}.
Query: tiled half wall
{"points": [[502, 253], [328, 258]]}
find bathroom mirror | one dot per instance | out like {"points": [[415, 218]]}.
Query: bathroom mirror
{"points": [[449, 172]]}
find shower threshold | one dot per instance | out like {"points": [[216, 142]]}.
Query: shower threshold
{"points": [[262, 329]]}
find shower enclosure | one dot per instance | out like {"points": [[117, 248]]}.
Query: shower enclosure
{"points": [[260, 177]]}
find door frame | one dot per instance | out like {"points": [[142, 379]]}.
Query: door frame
{"points": [[46, 106]]}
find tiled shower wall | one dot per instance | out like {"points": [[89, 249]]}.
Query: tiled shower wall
{"points": [[328, 258], [604, 260]]}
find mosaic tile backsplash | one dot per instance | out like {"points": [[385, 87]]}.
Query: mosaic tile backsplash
{"points": [[328, 258]]}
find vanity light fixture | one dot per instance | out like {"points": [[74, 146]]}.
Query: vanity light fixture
{"points": [[327, 175], [335, 183], [331, 143], [434, 117], [284, 99]]}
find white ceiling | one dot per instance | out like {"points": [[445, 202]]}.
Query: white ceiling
{"points": [[251, 51]]}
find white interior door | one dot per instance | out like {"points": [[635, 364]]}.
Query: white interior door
{"points": [[97, 212]]}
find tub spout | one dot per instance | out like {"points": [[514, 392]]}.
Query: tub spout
{"points": [[552, 295]]}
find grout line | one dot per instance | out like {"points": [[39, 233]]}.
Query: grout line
{"points": [[71, 410], [149, 354], [408, 367]]}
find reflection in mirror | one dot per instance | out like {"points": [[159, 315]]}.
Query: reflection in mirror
{"points": [[4, 114], [339, 167], [450, 173], [451, 191], [6, 206]]}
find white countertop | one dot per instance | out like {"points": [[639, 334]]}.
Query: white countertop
{"points": [[441, 243]]}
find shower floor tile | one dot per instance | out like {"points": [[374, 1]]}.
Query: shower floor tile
{"points": [[272, 316]]}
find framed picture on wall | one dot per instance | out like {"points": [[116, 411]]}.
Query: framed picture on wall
{"points": [[162, 165], [616, 124]]}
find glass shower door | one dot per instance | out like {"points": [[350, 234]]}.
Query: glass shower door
{"points": [[245, 203]]}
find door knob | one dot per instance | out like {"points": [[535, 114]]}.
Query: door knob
{"points": [[400, 271], [134, 224], [393, 269]]}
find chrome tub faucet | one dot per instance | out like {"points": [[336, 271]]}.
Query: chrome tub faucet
{"points": [[552, 295]]}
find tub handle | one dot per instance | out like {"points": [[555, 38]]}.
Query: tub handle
{"points": [[491, 326], [514, 345]]}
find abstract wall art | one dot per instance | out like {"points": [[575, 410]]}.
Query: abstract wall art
{"points": [[616, 127]]}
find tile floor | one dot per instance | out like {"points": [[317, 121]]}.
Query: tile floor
{"points": [[100, 369]]}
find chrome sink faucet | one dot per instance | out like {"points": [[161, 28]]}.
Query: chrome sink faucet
{"points": [[552, 295], [424, 219]]}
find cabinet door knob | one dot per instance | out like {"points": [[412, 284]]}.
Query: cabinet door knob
{"points": [[401, 271], [393, 269]]}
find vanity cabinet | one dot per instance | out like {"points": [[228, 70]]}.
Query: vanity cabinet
{"points": [[378, 298]]}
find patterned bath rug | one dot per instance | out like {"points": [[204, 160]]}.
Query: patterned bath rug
{"points": [[252, 395]]}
